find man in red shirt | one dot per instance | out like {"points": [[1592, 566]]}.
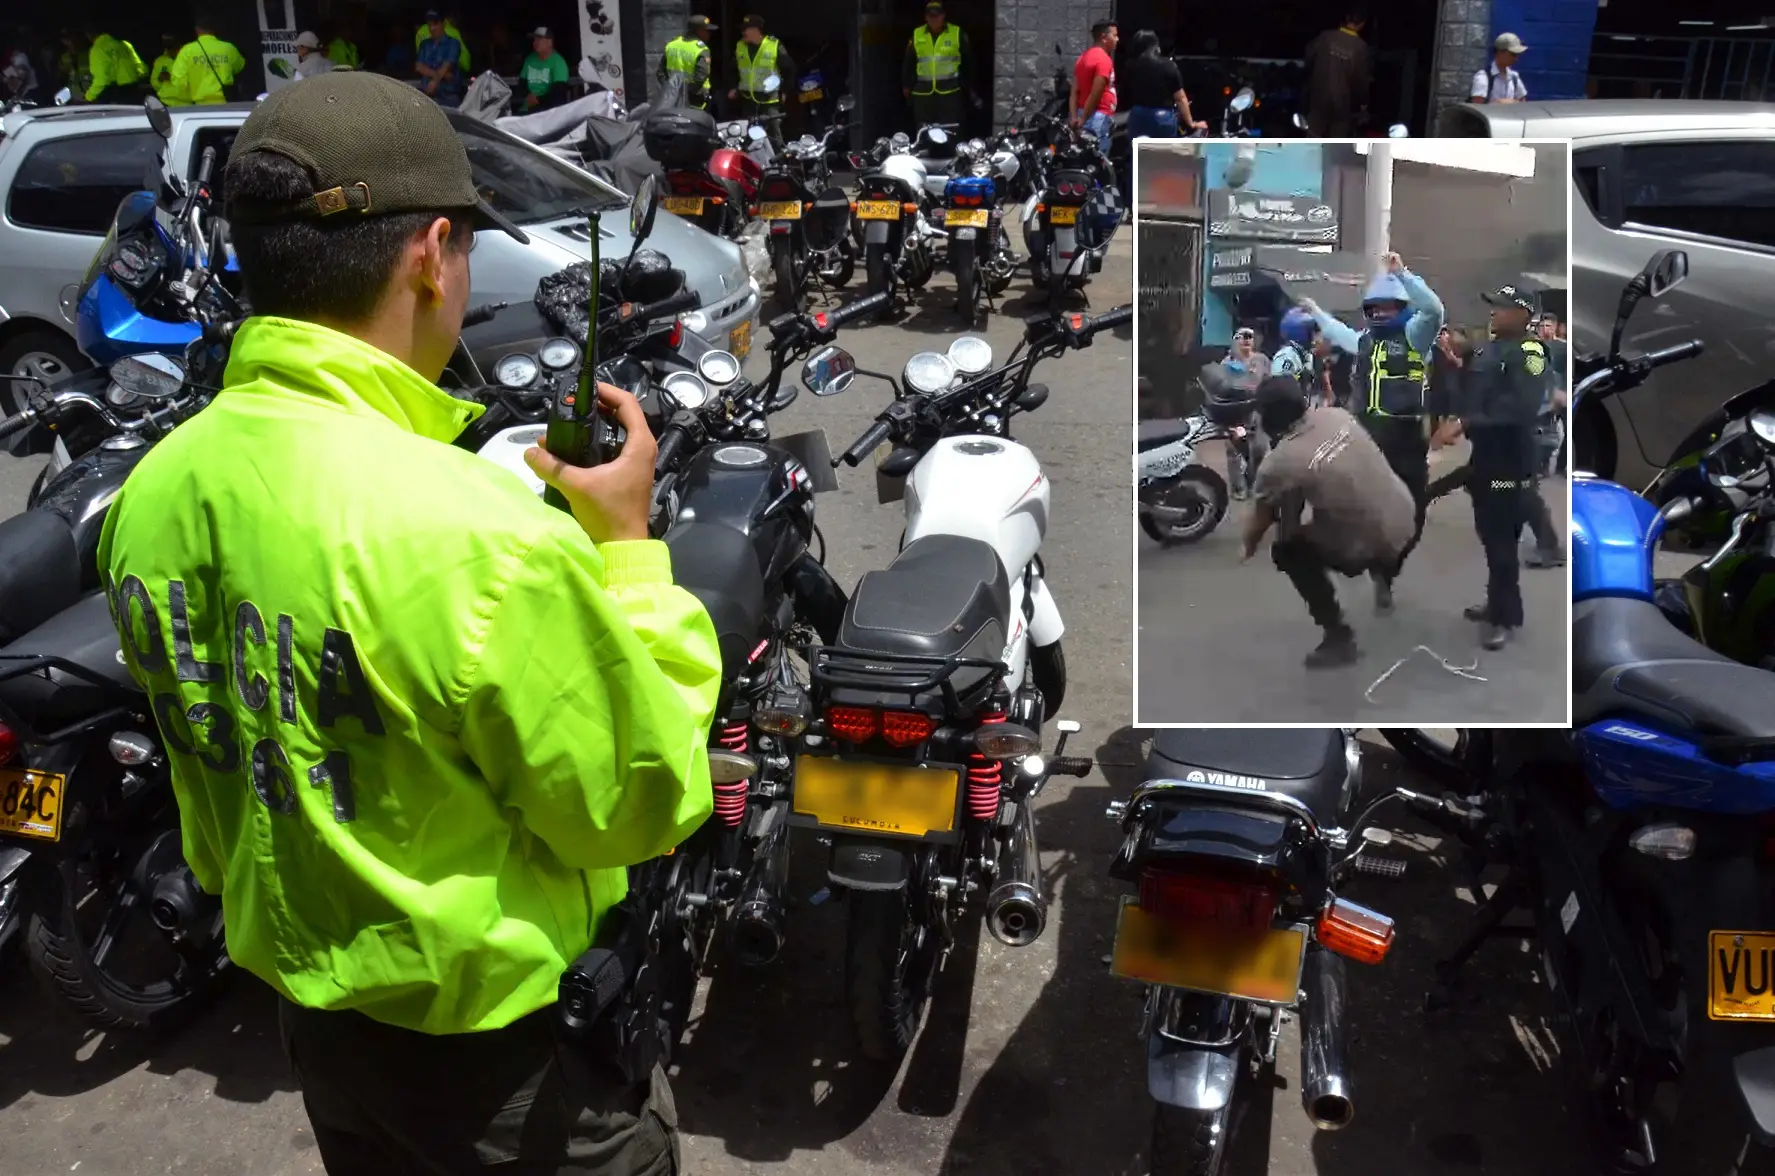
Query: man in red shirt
{"points": [[1094, 83]]}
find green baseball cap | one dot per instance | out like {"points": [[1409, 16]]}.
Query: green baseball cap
{"points": [[374, 146]]}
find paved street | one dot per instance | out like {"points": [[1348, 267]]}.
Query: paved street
{"points": [[1221, 641], [1029, 1063]]}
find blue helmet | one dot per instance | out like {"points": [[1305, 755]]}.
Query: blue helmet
{"points": [[1298, 327], [1383, 289]]}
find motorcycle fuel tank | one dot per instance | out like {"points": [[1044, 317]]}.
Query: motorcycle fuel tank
{"points": [[757, 489], [83, 492], [910, 170], [740, 168], [1614, 532], [986, 488]]}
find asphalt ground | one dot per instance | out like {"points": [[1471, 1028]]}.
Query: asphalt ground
{"points": [[1029, 1063], [1221, 641]]}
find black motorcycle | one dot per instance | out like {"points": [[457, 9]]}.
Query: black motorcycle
{"points": [[809, 218], [1238, 842], [1068, 226]]}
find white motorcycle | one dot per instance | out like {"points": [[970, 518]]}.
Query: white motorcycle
{"points": [[1181, 500], [923, 754], [896, 185]]}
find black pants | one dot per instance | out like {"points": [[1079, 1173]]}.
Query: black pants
{"points": [[1539, 518], [1308, 566], [939, 108], [773, 128], [391, 1102], [1407, 450], [131, 94], [1500, 511]]}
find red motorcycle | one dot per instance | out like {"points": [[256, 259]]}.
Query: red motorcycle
{"points": [[709, 178]]}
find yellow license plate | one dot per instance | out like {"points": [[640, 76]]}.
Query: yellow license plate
{"points": [[875, 798], [785, 210], [684, 205], [1262, 966], [31, 803], [739, 341], [1063, 216], [1738, 965], [965, 218], [812, 95], [878, 210]]}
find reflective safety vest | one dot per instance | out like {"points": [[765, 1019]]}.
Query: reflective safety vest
{"points": [[681, 58], [1388, 374], [753, 70], [939, 60]]}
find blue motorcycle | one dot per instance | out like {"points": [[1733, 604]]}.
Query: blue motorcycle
{"points": [[1642, 841]]}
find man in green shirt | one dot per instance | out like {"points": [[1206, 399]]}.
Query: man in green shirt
{"points": [[544, 73], [418, 723], [205, 69], [117, 73]]}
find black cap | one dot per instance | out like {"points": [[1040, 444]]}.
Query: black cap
{"points": [[933, 6], [700, 22], [1511, 296], [432, 14], [374, 145], [752, 22]]}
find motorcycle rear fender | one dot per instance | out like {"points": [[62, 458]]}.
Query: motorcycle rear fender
{"points": [[1045, 625], [861, 863], [1754, 1073], [876, 232], [1193, 1077], [819, 596]]}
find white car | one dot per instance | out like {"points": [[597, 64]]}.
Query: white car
{"points": [[64, 170]]}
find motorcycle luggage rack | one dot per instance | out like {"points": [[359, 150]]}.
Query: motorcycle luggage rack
{"points": [[896, 673], [1275, 801], [44, 663]]}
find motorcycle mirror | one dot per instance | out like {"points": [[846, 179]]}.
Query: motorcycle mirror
{"points": [[153, 376], [1300, 122], [643, 207], [898, 463], [829, 372], [159, 117], [846, 104], [1242, 101], [756, 134], [1667, 270], [937, 135], [1032, 397], [64, 96], [1398, 131]]}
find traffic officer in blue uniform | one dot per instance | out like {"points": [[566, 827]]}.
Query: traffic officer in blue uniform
{"points": [[1402, 316]]}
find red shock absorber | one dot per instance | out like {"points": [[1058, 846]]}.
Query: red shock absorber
{"points": [[730, 799], [984, 779]]}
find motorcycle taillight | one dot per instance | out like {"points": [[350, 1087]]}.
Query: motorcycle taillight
{"points": [[1190, 897], [8, 744]]}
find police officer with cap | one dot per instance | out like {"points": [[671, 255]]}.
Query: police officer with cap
{"points": [[1391, 357], [938, 70], [418, 722], [1500, 395], [759, 58], [689, 57]]}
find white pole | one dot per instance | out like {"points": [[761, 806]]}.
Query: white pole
{"points": [[1377, 219]]}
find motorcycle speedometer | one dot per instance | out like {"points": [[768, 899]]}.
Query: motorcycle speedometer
{"points": [[517, 371], [901, 139], [971, 355], [688, 389], [719, 368], [928, 372], [558, 354]]}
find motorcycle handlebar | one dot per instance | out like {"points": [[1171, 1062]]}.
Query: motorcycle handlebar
{"points": [[16, 422], [852, 310], [483, 313], [1675, 353], [865, 445], [206, 165], [668, 307], [1111, 319], [671, 441]]}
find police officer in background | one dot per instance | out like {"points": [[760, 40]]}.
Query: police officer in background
{"points": [[938, 71], [689, 57], [1403, 316], [419, 723], [760, 57], [1500, 395], [1295, 357]]}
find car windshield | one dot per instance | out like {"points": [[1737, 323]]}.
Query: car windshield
{"points": [[526, 184]]}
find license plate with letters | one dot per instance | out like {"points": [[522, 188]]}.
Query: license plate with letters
{"points": [[684, 205], [1261, 966], [878, 210], [739, 341], [904, 799], [780, 210], [1739, 986], [1063, 216], [31, 803], [812, 95], [965, 218]]}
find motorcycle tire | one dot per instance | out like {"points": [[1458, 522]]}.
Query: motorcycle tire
{"points": [[1206, 493], [1047, 669], [1466, 760], [967, 277], [998, 276], [886, 973], [880, 273], [791, 291], [1187, 1142], [62, 957]]}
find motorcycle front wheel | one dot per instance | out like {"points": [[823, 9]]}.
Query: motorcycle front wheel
{"points": [[880, 272], [1184, 507], [1002, 267], [839, 265], [791, 291]]}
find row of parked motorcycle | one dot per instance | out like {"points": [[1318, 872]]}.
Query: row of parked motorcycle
{"points": [[923, 203]]}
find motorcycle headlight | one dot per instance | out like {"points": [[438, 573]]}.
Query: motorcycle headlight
{"points": [[970, 355], [719, 368], [558, 354], [516, 371], [928, 372]]}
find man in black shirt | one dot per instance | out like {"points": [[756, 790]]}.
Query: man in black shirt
{"points": [[1500, 393], [1338, 74]]}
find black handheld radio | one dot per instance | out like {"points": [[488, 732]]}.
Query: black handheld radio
{"points": [[578, 434]]}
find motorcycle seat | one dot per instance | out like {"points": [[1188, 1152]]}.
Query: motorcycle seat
{"points": [[716, 564], [1306, 764], [1629, 661], [943, 596], [1165, 434], [39, 570], [84, 635]]}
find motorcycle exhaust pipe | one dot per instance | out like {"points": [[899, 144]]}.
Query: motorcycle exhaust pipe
{"points": [[1016, 912], [759, 929], [1326, 1092]]}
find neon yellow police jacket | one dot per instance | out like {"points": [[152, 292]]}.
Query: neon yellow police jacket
{"points": [[418, 723]]}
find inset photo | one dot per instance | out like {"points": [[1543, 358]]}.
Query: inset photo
{"points": [[1350, 462]]}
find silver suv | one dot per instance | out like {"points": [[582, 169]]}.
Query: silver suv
{"points": [[1655, 174], [63, 171]]}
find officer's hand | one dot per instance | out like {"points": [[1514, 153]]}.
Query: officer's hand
{"points": [[1308, 305], [733, 94], [1393, 262], [611, 501]]}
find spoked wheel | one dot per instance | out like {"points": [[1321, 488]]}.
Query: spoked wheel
{"points": [[1448, 755], [1184, 507], [889, 962], [791, 287], [101, 950], [1002, 267], [838, 265]]}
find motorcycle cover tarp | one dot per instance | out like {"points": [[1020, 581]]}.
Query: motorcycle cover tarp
{"points": [[616, 153], [551, 126], [487, 97], [562, 297]]}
